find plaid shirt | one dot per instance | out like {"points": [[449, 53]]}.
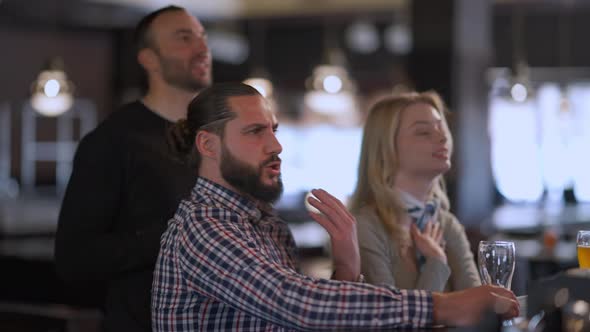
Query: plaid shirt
{"points": [[226, 264]]}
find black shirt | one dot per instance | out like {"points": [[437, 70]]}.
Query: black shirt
{"points": [[124, 187]]}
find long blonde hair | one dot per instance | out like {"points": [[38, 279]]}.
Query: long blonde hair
{"points": [[378, 164]]}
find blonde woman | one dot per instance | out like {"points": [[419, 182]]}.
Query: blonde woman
{"points": [[407, 236]]}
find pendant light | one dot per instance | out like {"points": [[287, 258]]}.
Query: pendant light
{"points": [[259, 77], [330, 89], [52, 91]]}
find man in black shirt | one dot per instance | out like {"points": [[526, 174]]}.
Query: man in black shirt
{"points": [[125, 184]]}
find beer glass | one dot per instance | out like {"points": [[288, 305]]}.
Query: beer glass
{"points": [[583, 243], [496, 261]]}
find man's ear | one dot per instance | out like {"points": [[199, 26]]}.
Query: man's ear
{"points": [[148, 59], [208, 144]]}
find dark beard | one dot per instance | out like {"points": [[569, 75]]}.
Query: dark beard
{"points": [[175, 75], [246, 178]]}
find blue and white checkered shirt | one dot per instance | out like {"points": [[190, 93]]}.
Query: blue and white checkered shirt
{"points": [[226, 264]]}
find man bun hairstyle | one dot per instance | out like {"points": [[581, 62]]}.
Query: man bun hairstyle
{"points": [[180, 137], [208, 111]]}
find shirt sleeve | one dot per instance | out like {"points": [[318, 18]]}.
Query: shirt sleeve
{"points": [[89, 246], [434, 275], [219, 260], [460, 257]]}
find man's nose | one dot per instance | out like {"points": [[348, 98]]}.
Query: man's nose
{"points": [[202, 48], [204, 53], [273, 145]]}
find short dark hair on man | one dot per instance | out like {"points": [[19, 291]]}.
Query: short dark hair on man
{"points": [[208, 111], [142, 35]]}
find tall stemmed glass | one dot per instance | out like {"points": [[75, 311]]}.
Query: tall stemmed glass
{"points": [[496, 261]]}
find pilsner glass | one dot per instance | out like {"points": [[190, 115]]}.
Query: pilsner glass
{"points": [[496, 261], [583, 243]]}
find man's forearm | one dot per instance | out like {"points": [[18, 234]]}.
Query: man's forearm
{"points": [[346, 275]]}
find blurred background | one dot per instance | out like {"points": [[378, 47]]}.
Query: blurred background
{"points": [[514, 73]]}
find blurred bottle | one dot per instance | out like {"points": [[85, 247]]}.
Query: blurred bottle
{"points": [[550, 239]]}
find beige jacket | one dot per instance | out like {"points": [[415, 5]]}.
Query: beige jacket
{"points": [[381, 261]]}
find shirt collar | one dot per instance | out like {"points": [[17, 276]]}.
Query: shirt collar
{"points": [[234, 201], [409, 200], [421, 212]]}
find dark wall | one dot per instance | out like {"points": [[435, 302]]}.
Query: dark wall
{"points": [[87, 56], [548, 36], [101, 62], [431, 59]]}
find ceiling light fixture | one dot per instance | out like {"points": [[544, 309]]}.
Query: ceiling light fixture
{"points": [[362, 37], [397, 37], [259, 76], [52, 92], [330, 90], [521, 87]]}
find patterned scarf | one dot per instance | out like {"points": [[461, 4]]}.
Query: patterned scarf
{"points": [[420, 213]]}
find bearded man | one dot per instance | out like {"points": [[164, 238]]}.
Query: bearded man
{"points": [[227, 262], [125, 182]]}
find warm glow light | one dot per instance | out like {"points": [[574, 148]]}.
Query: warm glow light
{"points": [[363, 37], [398, 39], [263, 86], [51, 106], [51, 88], [332, 84], [330, 103], [52, 93], [330, 91], [519, 92], [261, 89]]}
